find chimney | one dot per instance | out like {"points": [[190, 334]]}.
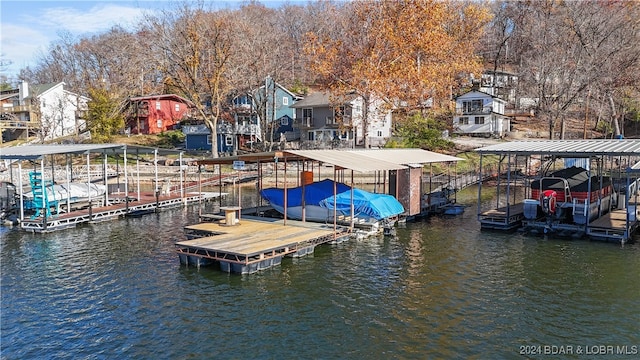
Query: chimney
{"points": [[23, 91]]}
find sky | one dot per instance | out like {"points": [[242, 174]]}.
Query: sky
{"points": [[28, 27]]}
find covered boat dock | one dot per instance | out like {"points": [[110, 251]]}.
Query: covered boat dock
{"points": [[253, 242], [397, 172], [602, 214], [50, 212]]}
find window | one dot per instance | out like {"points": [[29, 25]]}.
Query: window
{"points": [[307, 117], [472, 106], [228, 140], [159, 123], [208, 139], [379, 133], [285, 100], [463, 120], [157, 105], [177, 107], [240, 100], [244, 120], [284, 121], [479, 120], [311, 136]]}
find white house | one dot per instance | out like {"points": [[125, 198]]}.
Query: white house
{"points": [[57, 111], [480, 114], [328, 121], [499, 83]]}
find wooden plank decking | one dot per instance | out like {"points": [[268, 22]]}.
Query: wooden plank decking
{"points": [[514, 209], [498, 218], [254, 240], [616, 219]]}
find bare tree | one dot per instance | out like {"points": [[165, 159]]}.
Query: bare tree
{"points": [[193, 48], [563, 49]]}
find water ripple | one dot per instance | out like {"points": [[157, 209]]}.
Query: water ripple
{"points": [[439, 289]]}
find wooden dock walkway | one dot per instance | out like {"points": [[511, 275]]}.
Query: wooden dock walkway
{"points": [[504, 218], [254, 243], [613, 225], [118, 207]]}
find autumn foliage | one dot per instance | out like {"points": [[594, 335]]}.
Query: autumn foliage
{"points": [[409, 51]]}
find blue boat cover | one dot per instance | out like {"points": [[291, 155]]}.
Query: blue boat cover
{"points": [[313, 193], [378, 206]]}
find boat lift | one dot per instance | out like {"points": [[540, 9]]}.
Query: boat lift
{"points": [[616, 220]]}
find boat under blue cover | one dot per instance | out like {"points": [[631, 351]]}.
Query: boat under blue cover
{"points": [[319, 202]]}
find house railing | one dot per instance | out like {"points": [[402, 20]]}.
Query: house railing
{"points": [[474, 110], [250, 129], [19, 124], [225, 128], [305, 123], [326, 144], [19, 108]]}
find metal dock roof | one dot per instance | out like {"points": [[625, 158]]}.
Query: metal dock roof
{"points": [[566, 148], [407, 156], [357, 160], [33, 152]]}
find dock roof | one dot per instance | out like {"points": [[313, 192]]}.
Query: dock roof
{"points": [[566, 148], [357, 160], [33, 152], [407, 156]]}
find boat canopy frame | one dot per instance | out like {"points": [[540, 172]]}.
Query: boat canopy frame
{"points": [[554, 149]]}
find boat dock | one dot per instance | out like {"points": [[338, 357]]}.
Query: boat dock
{"points": [[252, 244], [61, 197], [613, 225], [600, 203], [147, 203], [504, 218]]}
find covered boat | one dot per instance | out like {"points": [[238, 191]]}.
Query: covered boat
{"points": [[60, 194], [319, 202], [569, 193], [365, 204]]}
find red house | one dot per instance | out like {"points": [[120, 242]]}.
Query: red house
{"points": [[154, 114]]}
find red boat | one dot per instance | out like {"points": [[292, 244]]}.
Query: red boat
{"points": [[569, 194]]}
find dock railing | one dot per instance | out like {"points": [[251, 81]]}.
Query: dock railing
{"points": [[455, 182]]}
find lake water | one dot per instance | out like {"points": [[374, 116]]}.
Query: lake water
{"points": [[440, 288]]}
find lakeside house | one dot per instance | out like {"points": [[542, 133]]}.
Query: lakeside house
{"points": [[329, 121], [153, 114], [198, 137], [269, 105], [480, 114], [48, 110]]}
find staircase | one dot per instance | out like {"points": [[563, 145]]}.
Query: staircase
{"points": [[40, 197]]}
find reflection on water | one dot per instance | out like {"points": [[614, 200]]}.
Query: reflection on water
{"points": [[441, 288]]}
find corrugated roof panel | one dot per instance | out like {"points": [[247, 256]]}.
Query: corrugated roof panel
{"points": [[32, 152], [407, 156], [566, 148], [347, 159], [359, 160]]}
